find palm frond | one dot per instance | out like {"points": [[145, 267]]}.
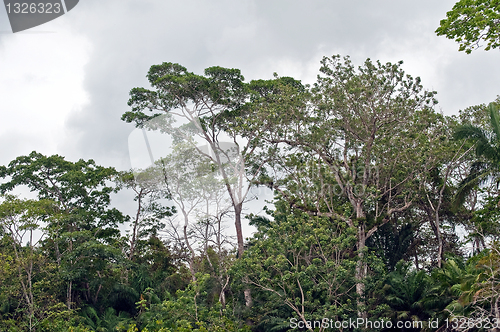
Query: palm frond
{"points": [[469, 131], [487, 166], [478, 174], [495, 119]]}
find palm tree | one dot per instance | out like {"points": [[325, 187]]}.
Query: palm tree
{"points": [[405, 293], [487, 166]]}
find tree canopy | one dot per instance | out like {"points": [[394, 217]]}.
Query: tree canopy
{"points": [[383, 210], [472, 22]]}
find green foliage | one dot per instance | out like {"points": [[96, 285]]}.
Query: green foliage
{"points": [[364, 172], [406, 291], [487, 148], [480, 291], [19, 222], [485, 221], [175, 87], [186, 312], [109, 321], [81, 185], [60, 319], [472, 21], [155, 269], [392, 243], [298, 266]]}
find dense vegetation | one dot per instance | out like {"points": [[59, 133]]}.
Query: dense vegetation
{"points": [[384, 210]]}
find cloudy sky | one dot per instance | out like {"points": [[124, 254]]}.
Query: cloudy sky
{"points": [[65, 84]]}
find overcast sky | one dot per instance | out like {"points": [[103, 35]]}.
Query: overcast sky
{"points": [[65, 84]]}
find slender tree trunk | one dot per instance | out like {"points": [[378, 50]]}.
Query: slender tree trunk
{"points": [[70, 285], [361, 271], [241, 250], [136, 222], [440, 244], [97, 294], [238, 207], [192, 253], [497, 313], [27, 286], [68, 295], [58, 254], [434, 221], [438, 228], [222, 294], [361, 265], [31, 304], [27, 291], [239, 232]]}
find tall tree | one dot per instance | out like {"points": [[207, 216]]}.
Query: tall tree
{"points": [[299, 267], [194, 188], [436, 196], [20, 220], [356, 152], [147, 220], [84, 225], [200, 100], [212, 104]]}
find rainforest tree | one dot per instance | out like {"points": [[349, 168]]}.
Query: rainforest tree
{"points": [[83, 225], [471, 22], [349, 152]]}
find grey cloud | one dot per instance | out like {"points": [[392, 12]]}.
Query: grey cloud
{"points": [[130, 36]]}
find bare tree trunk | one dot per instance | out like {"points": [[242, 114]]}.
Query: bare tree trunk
{"points": [[436, 226], [27, 291], [58, 254], [239, 232], [416, 260], [222, 294], [191, 250], [241, 250], [361, 271], [68, 295], [136, 222], [27, 287], [437, 223], [497, 314], [440, 244]]}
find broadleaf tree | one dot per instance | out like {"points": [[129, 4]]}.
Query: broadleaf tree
{"points": [[350, 154], [471, 22], [84, 224], [212, 104]]}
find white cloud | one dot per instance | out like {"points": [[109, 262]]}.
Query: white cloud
{"points": [[41, 82]]}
